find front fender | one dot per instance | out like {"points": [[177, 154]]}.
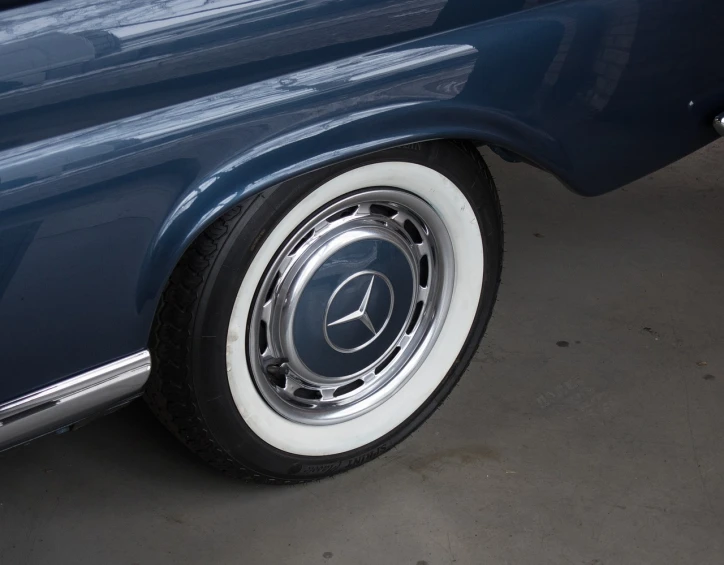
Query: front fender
{"points": [[326, 142]]}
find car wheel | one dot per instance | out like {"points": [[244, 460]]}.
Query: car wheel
{"points": [[316, 325]]}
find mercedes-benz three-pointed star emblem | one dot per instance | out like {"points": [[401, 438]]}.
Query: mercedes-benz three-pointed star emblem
{"points": [[360, 315]]}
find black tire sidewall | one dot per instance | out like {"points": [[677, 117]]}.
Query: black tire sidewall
{"points": [[237, 250]]}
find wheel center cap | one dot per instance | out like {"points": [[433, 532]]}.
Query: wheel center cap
{"points": [[350, 306], [358, 311]]}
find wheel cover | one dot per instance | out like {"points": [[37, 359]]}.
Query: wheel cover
{"points": [[350, 305]]}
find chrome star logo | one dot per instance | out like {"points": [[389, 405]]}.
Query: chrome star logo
{"points": [[377, 283], [361, 313]]}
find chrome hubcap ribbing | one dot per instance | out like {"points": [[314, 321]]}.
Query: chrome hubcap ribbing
{"points": [[350, 306]]}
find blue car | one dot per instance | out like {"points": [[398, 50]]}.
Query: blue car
{"points": [[270, 217]]}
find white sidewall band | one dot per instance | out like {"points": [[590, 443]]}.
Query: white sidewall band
{"points": [[309, 440]]}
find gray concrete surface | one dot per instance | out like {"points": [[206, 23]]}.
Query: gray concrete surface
{"points": [[589, 430]]}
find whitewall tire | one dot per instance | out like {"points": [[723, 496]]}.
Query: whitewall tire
{"points": [[326, 340]]}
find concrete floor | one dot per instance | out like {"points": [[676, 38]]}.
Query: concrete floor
{"points": [[589, 429]]}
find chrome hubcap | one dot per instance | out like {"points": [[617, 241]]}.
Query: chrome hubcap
{"points": [[350, 306]]}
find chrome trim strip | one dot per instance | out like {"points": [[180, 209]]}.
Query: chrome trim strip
{"points": [[719, 124], [73, 399]]}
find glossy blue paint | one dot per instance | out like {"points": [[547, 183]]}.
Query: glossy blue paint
{"points": [[127, 127]]}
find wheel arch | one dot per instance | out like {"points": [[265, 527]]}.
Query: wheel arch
{"points": [[303, 150]]}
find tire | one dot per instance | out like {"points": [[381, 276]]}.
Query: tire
{"points": [[263, 363]]}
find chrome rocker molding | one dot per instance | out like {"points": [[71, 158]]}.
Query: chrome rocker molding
{"points": [[70, 401], [719, 124]]}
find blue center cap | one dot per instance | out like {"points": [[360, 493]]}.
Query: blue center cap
{"points": [[353, 308]]}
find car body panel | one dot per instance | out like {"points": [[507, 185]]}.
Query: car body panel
{"points": [[126, 128]]}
